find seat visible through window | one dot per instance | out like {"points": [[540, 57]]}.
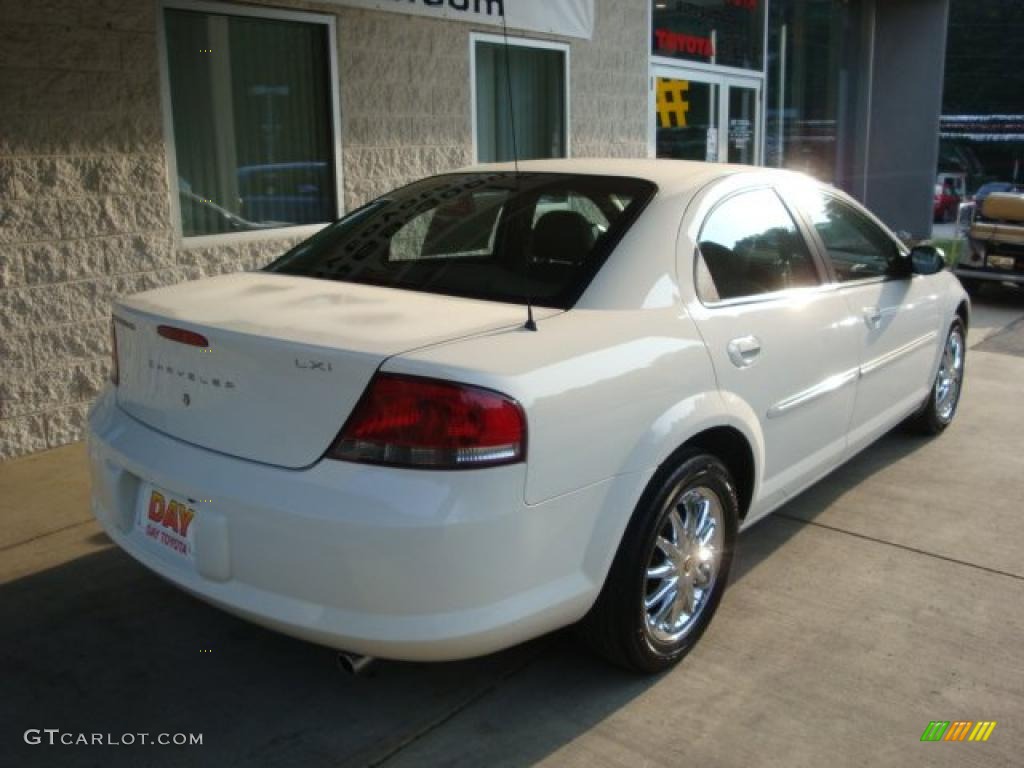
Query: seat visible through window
{"points": [[562, 236]]}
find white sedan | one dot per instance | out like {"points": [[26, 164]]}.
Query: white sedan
{"points": [[491, 404]]}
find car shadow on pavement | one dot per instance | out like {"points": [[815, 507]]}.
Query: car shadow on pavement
{"points": [[806, 506], [101, 645], [1000, 295]]}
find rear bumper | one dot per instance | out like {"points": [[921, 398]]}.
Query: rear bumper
{"points": [[402, 564]]}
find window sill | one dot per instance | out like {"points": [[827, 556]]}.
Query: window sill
{"points": [[231, 238]]}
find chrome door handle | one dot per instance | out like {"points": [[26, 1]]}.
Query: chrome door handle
{"points": [[873, 317], [744, 351]]}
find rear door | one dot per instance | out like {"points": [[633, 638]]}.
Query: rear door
{"points": [[777, 334], [897, 313]]}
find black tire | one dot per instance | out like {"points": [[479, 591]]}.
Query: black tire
{"points": [[616, 627], [930, 420]]}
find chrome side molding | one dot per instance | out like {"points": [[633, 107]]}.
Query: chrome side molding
{"points": [[829, 385]]}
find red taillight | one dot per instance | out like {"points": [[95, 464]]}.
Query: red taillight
{"points": [[182, 336], [415, 422], [115, 370]]}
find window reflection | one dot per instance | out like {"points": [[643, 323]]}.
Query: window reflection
{"points": [[727, 32], [749, 245], [535, 98], [252, 118], [809, 86], [856, 247]]}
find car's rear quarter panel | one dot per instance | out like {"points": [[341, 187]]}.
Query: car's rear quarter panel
{"points": [[606, 393]]}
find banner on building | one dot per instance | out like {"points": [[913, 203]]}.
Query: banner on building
{"points": [[569, 18]]}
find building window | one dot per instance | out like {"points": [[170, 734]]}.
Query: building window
{"points": [[811, 86], [725, 32], [535, 104], [253, 119]]}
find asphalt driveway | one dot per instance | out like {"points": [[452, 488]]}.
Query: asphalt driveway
{"points": [[889, 595]]}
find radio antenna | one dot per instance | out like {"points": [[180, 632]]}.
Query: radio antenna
{"points": [[530, 324], [508, 89]]}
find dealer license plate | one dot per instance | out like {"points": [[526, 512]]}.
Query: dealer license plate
{"points": [[169, 522]]}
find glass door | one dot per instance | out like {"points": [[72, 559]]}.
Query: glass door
{"points": [[744, 128], [686, 116], [703, 115]]}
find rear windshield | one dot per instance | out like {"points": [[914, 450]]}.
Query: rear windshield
{"points": [[537, 237]]}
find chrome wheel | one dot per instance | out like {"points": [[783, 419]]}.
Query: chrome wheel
{"points": [[684, 564], [951, 372]]}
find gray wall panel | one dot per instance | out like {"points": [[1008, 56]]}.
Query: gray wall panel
{"points": [[905, 102]]}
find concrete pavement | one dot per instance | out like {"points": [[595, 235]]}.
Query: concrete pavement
{"points": [[887, 596]]}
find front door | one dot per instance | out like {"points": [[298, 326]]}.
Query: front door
{"points": [[896, 313], [706, 116]]}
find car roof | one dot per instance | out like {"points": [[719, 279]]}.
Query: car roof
{"points": [[671, 176]]}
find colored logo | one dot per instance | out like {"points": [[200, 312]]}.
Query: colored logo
{"points": [[958, 730], [671, 102]]}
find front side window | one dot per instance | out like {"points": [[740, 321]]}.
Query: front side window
{"points": [[537, 237], [748, 246], [253, 121], [527, 93], [857, 248]]}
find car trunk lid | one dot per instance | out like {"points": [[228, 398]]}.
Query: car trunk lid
{"points": [[286, 361]]}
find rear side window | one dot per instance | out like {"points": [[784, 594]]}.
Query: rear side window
{"points": [[537, 237], [749, 246]]}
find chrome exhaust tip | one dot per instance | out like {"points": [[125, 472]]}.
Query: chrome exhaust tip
{"points": [[353, 664]]}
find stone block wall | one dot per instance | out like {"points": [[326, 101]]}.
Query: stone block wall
{"points": [[405, 100], [609, 83], [83, 203], [85, 199]]}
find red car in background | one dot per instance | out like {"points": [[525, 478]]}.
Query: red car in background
{"points": [[945, 203]]}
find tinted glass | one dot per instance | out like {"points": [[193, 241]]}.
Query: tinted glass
{"points": [[812, 85], [573, 201], [857, 248], [742, 125], [251, 110], [749, 245], [498, 236], [727, 32]]}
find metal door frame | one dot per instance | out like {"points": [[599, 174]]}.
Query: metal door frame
{"points": [[725, 79]]}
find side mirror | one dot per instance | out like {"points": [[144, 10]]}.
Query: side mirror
{"points": [[927, 259]]}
